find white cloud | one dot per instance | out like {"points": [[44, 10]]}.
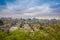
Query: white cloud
{"points": [[38, 10], [32, 11], [22, 9]]}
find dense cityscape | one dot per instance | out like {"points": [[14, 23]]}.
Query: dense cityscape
{"points": [[29, 29], [29, 19]]}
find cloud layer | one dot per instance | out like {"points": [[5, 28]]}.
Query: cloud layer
{"points": [[30, 8]]}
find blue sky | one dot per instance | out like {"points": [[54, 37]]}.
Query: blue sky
{"points": [[30, 8]]}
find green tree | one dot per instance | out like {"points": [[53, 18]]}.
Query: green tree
{"points": [[58, 36], [3, 35], [1, 22], [40, 35], [50, 32], [19, 35]]}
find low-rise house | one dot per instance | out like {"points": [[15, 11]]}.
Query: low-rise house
{"points": [[26, 27], [36, 27], [5, 28], [13, 28], [32, 32]]}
